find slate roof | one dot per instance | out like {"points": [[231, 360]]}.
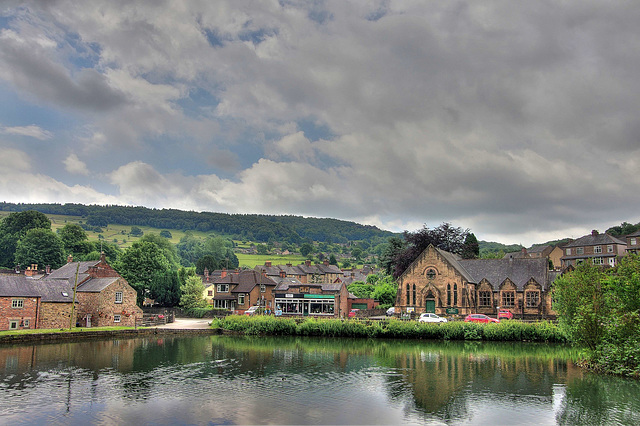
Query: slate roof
{"points": [[594, 240], [520, 271], [247, 280], [17, 286], [68, 270], [96, 285], [54, 290]]}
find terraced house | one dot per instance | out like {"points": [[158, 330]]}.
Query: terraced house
{"points": [[601, 249], [441, 282]]}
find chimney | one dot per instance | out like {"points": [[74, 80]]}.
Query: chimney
{"points": [[31, 270], [325, 262], [264, 272], [307, 262], [47, 269], [267, 263], [594, 232], [224, 273], [69, 259], [283, 273], [206, 274], [103, 257], [524, 252], [289, 265]]}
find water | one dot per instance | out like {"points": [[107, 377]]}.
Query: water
{"points": [[259, 380]]}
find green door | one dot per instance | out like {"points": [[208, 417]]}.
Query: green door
{"points": [[430, 306]]}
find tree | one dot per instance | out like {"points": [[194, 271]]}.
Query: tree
{"points": [[262, 249], [190, 249], [140, 264], [192, 293], [306, 249], [361, 289], [579, 300], [136, 231], [333, 260], [393, 248], [14, 227], [75, 240], [165, 234], [471, 248], [445, 237], [165, 288], [40, 246], [168, 249]]}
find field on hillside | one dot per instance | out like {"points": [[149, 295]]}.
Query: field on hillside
{"points": [[251, 260]]}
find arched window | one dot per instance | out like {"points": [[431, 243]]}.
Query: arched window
{"points": [[414, 295], [408, 297], [448, 294], [455, 295]]}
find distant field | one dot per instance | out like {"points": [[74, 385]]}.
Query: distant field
{"points": [[251, 260]]}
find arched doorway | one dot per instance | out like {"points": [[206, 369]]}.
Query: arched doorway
{"points": [[430, 302]]}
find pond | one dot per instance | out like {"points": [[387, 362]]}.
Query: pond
{"points": [[269, 380]]}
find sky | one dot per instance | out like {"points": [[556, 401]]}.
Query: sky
{"points": [[515, 119]]}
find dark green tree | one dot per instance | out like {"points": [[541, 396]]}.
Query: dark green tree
{"points": [[333, 260], [471, 248], [361, 289], [165, 234], [306, 249], [140, 264], [165, 288], [40, 246], [75, 240], [393, 248], [136, 231], [14, 227], [168, 249]]}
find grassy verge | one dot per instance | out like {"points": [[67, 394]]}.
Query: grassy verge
{"points": [[392, 328], [63, 330]]}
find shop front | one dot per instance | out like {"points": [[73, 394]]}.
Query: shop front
{"points": [[306, 304]]}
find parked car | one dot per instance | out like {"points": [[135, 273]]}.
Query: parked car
{"points": [[505, 314], [480, 318], [391, 311], [252, 310], [431, 318], [353, 312]]}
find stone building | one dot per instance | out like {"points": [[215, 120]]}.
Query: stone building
{"points": [[443, 283]]}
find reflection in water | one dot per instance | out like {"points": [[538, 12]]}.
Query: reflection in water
{"points": [[258, 380]]}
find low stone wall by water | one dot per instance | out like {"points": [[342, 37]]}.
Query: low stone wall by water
{"points": [[99, 334]]}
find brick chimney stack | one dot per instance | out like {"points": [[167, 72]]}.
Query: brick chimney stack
{"points": [[307, 262], [69, 259], [206, 275], [326, 262], [47, 269], [594, 232], [224, 273], [283, 273], [267, 263]]}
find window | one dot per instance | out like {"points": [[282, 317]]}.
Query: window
{"points": [[508, 298], [610, 248], [116, 318], [455, 295], [448, 294], [597, 249], [27, 323], [414, 294], [241, 299], [568, 251], [598, 261], [209, 292], [118, 297], [223, 288], [612, 261], [580, 250], [532, 298], [633, 241], [13, 324], [484, 298], [221, 304], [263, 288], [408, 299], [17, 303], [431, 274]]}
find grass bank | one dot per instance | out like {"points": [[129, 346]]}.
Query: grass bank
{"points": [[392, 328]]}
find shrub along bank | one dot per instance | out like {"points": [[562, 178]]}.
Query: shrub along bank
{"points": [[391, 328]]}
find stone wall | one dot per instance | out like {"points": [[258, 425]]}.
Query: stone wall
{"points": [[28, 312], [55, 315], [103, 308]]}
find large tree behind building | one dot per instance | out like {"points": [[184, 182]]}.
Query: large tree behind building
{"points": [[41, 247], [75, 240], [14, 227], [445, 237]]}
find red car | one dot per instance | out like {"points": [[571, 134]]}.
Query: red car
{"points": [[505, 314], [352, 313], [480, 318]]}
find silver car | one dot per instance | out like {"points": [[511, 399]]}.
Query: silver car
{"points": [[431, 318]]}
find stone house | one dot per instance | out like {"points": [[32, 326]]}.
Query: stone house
{"points": [[443, 283], [296, 298], [633, 243], [239, 290], [601, 249], [104, 297]]}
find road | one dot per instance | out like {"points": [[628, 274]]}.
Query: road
{"points": [[188, 323]]}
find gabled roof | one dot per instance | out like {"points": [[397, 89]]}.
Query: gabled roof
{"points": [[96, 285], [519, 271], [17, 286], [247, 280], [47, 290], [68, 270], [54, 290], [594, 240]]}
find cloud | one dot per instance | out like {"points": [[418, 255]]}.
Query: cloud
{"points": [[74, 165], [31, 131]]}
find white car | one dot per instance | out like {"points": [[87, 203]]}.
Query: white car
{"points": [[431, 318], [252, 311]]}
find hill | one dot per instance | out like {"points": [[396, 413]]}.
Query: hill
{"points": [[259, 228]]}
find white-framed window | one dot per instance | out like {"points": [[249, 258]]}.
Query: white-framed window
{"points": [[612, 261], [597, 249], [116, 318], [13, 324], [118, 297], [223, 288], [241, 299], [580, 250], [597, 261], [263, 288], [568, 252], [17, 303], [610, 248], [633, 241], [27, 323]]}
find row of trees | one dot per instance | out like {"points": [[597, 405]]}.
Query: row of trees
{"points": [[599, 309]]}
